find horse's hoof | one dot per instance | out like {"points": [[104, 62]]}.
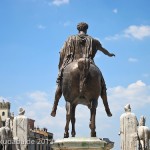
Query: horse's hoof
{"points": [[66, 135], [109, 114], [53, 113], [73, 134], [93, 134]]}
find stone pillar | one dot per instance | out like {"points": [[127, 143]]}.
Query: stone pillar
{"points": [[128, 129], [92, 143]]}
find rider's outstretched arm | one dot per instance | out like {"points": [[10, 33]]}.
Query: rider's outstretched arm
{"points": [[106, 52], [102, 49]]}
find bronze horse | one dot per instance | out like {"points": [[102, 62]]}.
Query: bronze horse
{"points": [[81, 84]]}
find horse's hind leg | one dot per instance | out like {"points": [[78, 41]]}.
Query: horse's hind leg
{"points": [[73, 133], [92, 118], [66, 134]]}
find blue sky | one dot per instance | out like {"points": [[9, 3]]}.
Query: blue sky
{"points": [[32, 33]]}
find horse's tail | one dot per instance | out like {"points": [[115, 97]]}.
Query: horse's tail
{"points": [[83, 66]]}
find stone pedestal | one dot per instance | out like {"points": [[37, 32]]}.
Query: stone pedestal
{"points": [[82, 144]]}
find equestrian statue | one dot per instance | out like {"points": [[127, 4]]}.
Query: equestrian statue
{"points": [[79, 79]]}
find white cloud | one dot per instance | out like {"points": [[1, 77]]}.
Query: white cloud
{"points": [[137, 32], [139, 83], [41, 27], [137, 94], [60, 2], [115, 11], [38, 96], [133, 31], [36, 101], [131, 59]]}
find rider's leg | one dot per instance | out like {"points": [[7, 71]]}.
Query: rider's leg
{"points": [[104, 97], [58, 95]]}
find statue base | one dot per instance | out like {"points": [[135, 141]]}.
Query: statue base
{"points": [[74, 143]]}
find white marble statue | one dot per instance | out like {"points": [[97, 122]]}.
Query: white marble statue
{"points": [[21, 130], [128, 129], [144, 134], [6, 136]]}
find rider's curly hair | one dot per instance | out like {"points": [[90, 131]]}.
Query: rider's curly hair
{"points": [[82, 26]]}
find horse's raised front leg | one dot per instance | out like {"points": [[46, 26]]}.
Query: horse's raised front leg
{"points": [[68, 106], [105, 102], [92, 118], [73, 120]]}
